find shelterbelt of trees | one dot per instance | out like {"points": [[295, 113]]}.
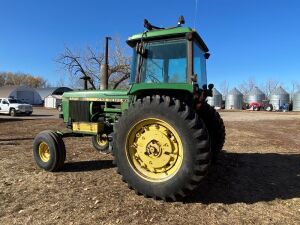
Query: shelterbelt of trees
{"points": [[11, 79]]}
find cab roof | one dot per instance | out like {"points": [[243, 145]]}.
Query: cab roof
{"points": [[165, 34]]}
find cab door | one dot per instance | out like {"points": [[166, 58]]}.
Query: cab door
{"points": [[4, 106]]}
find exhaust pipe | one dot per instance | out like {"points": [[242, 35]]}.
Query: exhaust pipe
{"points": [[104, 68]]}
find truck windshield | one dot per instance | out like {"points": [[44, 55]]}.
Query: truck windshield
{"points": [[165, 62], [13, 101], [199, 64]]}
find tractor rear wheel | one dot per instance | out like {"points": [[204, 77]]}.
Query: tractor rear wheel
{"points": [[161, 148], [49, 151], [216, 128]]}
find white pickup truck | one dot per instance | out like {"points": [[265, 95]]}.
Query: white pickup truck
{"points": [[13, 107]]}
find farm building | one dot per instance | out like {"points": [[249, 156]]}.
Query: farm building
{"points": [[255, 95], [234, 99], [216, 99], [23, 93], [279, 97], [52, 101], [44, 92]]}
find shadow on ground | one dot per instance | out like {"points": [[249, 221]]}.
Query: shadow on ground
{"points": [[87, 165], [250, 178]]}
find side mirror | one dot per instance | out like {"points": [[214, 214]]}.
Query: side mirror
{"points": [[206, 55], [210, 86]]}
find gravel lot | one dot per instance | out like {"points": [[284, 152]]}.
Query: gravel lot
{"points": [[256, 180]]}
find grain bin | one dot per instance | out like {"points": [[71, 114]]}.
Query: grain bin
{"points": [[255, 95], [234, 99], [216, 99], [296, 101], [279, 97]]}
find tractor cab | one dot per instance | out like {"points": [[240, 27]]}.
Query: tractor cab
{"points": [[173, 56]]}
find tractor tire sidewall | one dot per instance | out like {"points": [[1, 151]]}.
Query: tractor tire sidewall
{"points": [[52, 164], [216, 128], [185, 172]]}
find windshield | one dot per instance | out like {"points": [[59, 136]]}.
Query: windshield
{"points": [[13, 101], [165, 62], [199, 64]]}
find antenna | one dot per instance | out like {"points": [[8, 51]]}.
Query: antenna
{"points": [[196, 11]]}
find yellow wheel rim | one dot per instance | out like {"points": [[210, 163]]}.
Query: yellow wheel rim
{"points": [[102, 139], [154, 150], [44, 152]]}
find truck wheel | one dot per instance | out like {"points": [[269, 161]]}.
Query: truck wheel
{"points": [[101, 143], [49, 151], [12, 112], [216, 128], [161, 148]]}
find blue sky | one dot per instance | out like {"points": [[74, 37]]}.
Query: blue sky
{"points": [[246, 38]]}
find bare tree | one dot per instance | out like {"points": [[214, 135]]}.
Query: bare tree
{"points": [[89, 62], [269, 86], [224, 88], [10, 79], [247, 85]]}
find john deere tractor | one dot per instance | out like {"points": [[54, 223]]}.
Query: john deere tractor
{"points": [[161, 132]]}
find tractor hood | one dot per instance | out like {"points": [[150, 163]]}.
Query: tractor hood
{"points": [[97, 95]]}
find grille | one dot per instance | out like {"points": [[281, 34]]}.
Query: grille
{"points": [[79, 111]]}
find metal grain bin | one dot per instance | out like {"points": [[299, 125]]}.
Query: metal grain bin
{"points": [[255, 95], [216, 99], [234, 99], [279, 97], [296, 101]]}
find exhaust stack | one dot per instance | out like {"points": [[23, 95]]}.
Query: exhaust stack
{"points": [[104, 67]]}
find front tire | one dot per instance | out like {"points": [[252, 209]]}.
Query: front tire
{"points": [[100, 143], [12, 112], [49, 151], [161, 148]]}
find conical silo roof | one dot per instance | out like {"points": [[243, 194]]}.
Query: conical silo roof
{"points": [[256, 91], [235, 91], [279, 91], [216, 92]]}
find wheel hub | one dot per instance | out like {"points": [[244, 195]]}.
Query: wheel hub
{"points": [[44, 152], [154, 149]]}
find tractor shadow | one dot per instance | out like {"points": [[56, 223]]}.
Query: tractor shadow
{"points": [[92, 165], [250, 178]]}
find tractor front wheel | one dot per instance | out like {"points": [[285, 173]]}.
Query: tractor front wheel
{"points": [[49, 151], [161, 148], [101, 143]]}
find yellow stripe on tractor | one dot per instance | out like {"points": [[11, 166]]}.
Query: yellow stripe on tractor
{"points": [[89, 128]]}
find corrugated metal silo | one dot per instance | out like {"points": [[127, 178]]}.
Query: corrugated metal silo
{"points": [[279, 97], [255, 95], [234, 99], [296, 101], [216, 99]]}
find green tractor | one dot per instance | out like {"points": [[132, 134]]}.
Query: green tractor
{"points": [[161, 131]]}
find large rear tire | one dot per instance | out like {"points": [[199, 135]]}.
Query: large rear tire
{"points": [[161, 148], [216, 128]]}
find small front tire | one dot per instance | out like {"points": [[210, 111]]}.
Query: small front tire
{"points": [[12, 112], [100, 143], [49, 151]]}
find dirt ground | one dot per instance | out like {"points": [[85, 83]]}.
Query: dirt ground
{"points": [[256, 180]]}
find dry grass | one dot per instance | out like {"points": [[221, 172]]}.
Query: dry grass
{"points": [[255, 181]]}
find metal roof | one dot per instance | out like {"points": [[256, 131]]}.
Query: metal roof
{"points": [[216, 92], [44, 92], [166, 33], [5, 91], [256, 91], [235, 91], [279, 91]]}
